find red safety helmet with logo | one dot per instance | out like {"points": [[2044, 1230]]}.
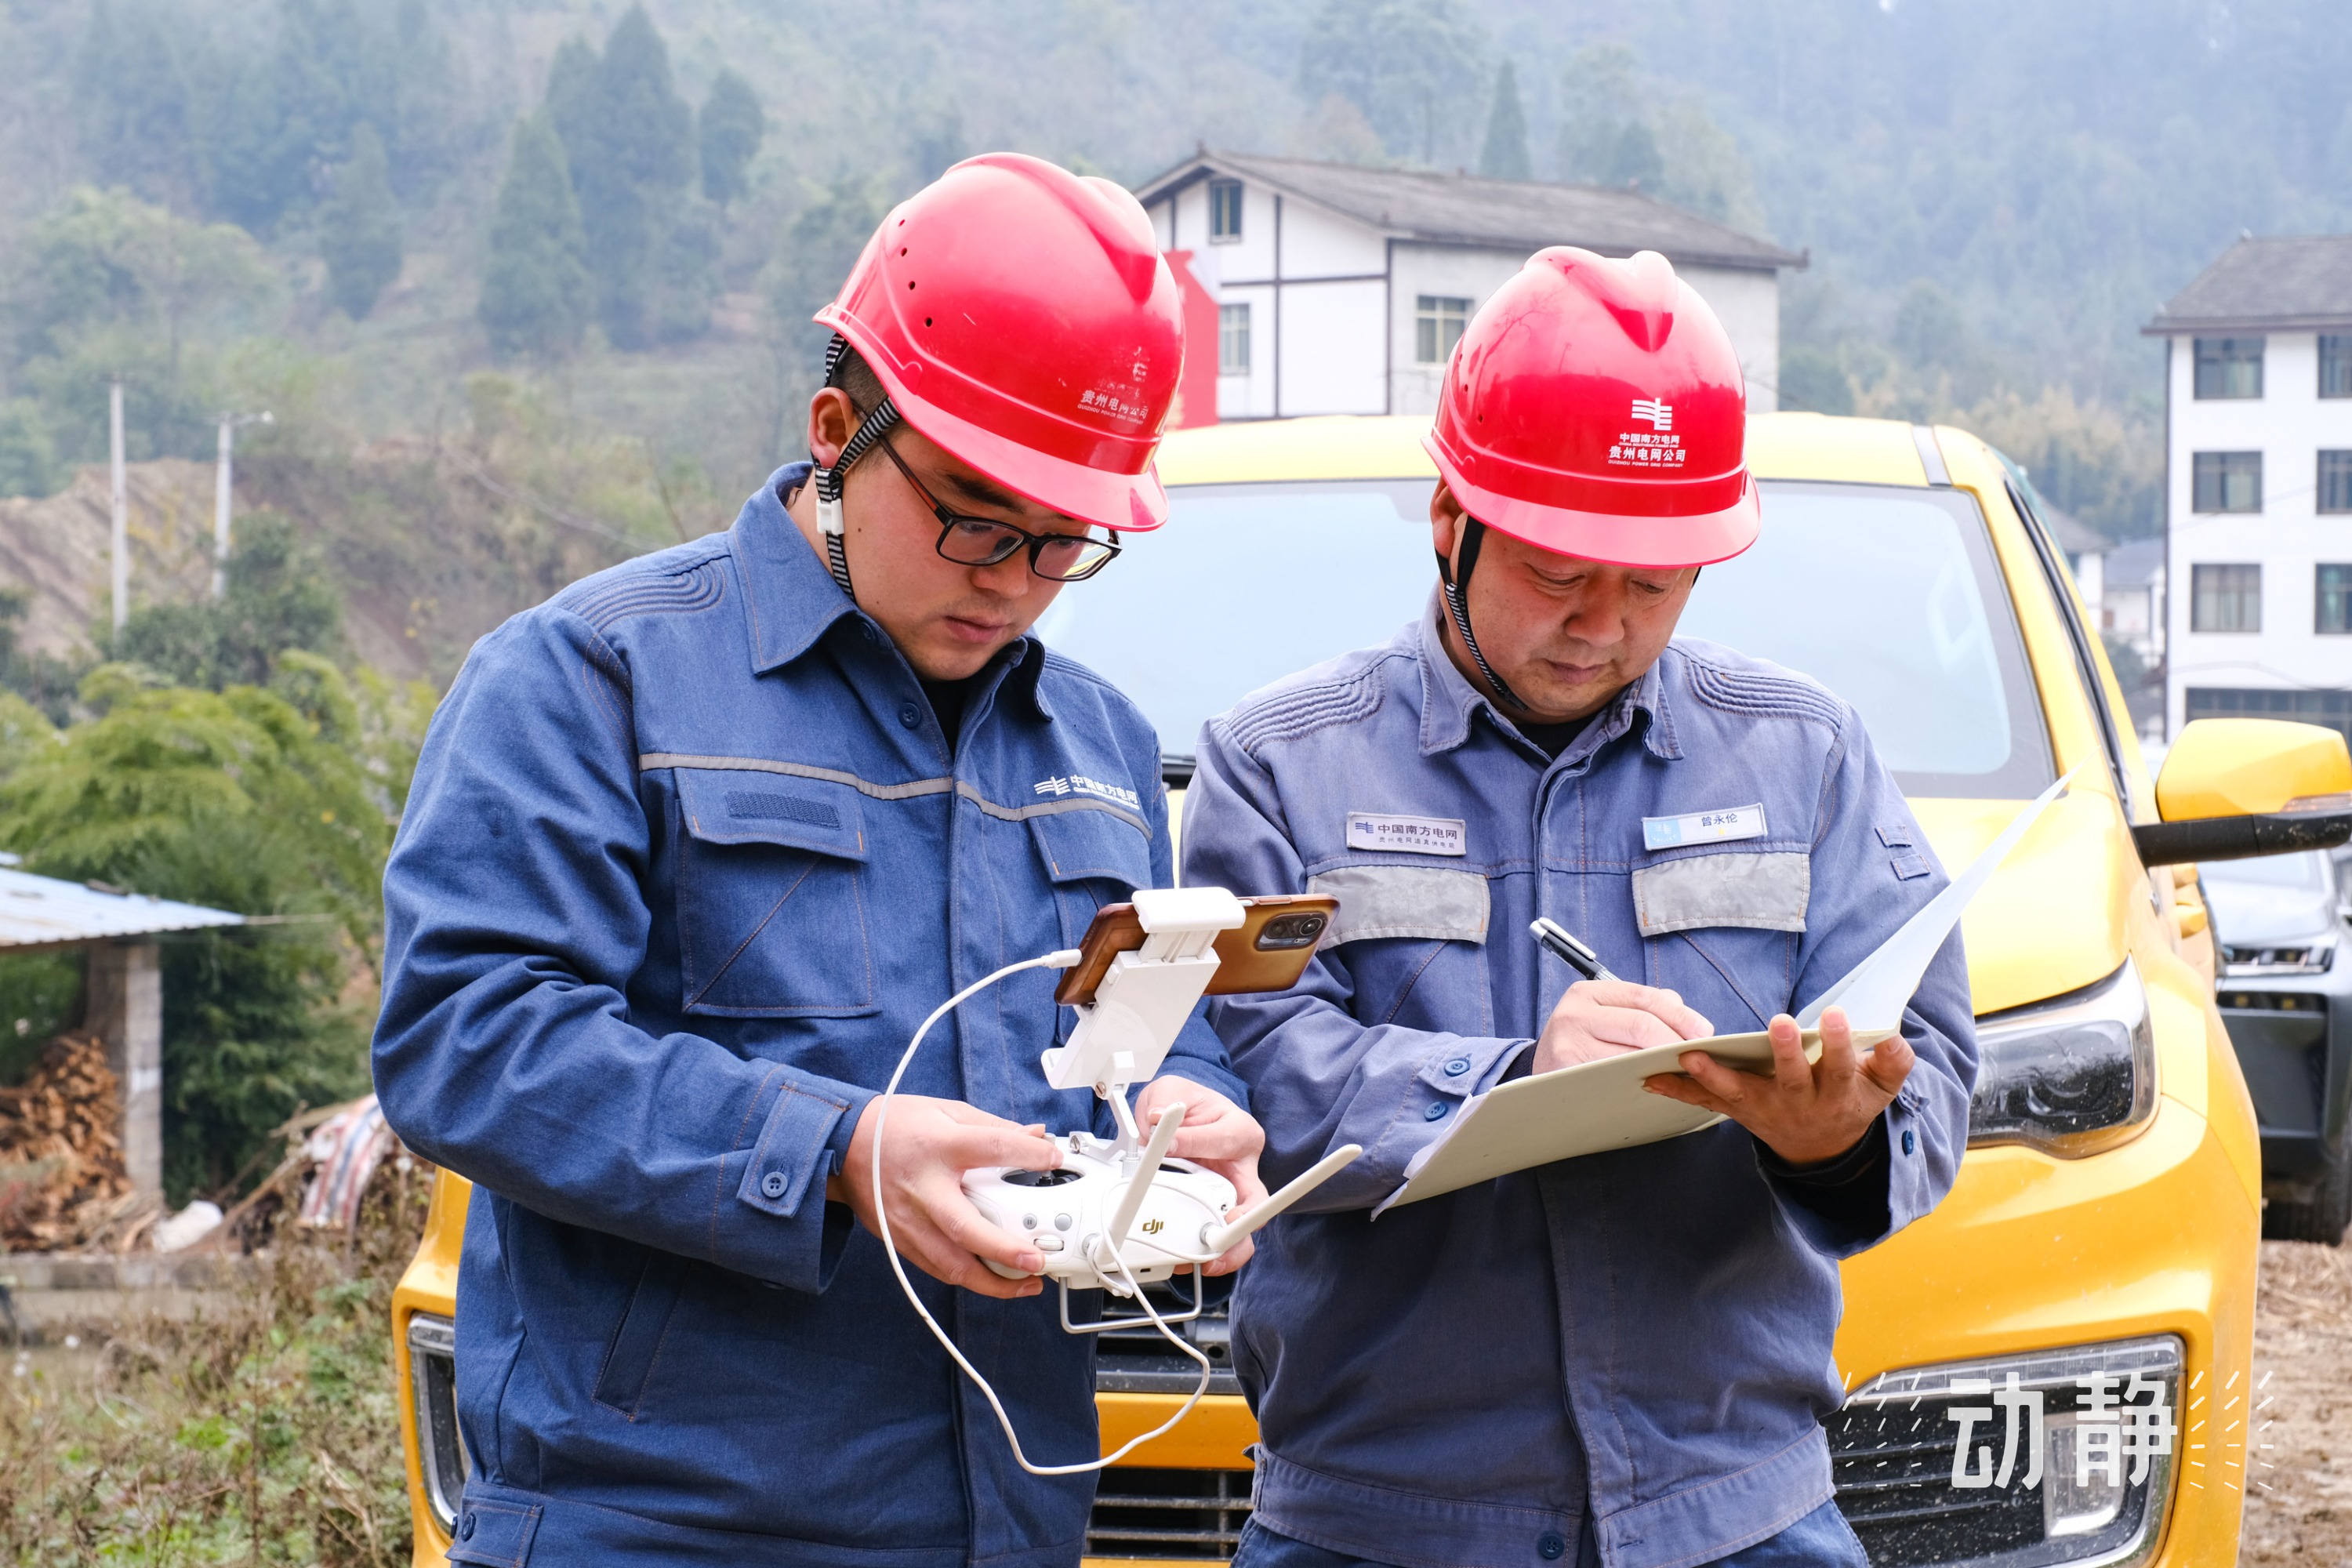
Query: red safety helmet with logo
{"points": [[1020, 316], [1596, 408]]}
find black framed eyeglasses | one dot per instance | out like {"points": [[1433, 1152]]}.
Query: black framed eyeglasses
{"points": [[984, 541]]}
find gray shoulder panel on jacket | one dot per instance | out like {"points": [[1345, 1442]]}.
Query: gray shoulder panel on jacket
{"points": [[1296, 707], [1760, 688]]}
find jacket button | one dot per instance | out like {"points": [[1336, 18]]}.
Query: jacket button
{"points": [[1552, 1546], [909, 715], [466, 1527], [1457, 1066], [1436, 1109], [1909, 1142], [773, 1184]]}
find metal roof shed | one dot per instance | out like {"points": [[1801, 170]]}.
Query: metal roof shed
{"points": [[124, 994]]}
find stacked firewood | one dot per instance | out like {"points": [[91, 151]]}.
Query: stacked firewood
{"points": [[62, 1181]]}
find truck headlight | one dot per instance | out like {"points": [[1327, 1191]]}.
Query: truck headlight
{"points": [[2015, 1461], [432, 1389], [2070, 1076], [2312, 954]]}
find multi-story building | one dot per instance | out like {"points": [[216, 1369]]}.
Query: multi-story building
{"points": [[2258, 499], [1342, 289]]}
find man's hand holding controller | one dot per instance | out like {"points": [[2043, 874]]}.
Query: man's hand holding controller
{"points": [[933, 1143]]}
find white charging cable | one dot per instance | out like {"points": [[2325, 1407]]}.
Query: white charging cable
{"points": [[1064, 958]]}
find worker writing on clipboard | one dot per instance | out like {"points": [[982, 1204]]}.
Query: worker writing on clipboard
{"points": [[1621, 1359]]}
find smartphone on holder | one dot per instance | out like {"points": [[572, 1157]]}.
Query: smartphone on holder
{"points": [[1268, 951]]}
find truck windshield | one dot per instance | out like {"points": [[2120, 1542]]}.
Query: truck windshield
{"points": [[1245, 585], [1889, 596]]}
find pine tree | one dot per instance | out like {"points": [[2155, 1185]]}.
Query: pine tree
{"points": [[283, 121], [432, 118], [1506, 153], [131, 97], [640, 147], [730, 130], [1605, 137], [359, 228], [571, 104], [1401, 62], [536, 292]]}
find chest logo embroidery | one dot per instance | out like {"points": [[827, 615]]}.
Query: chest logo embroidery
{"points": [[1409, 835], [1079, 783]]}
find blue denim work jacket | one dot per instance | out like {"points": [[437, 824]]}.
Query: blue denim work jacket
{"points": [[1645, 1333], [687, 860]]}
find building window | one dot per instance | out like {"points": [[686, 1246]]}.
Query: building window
{"points": [[1232, 339], [1224, 210], [2227, 481], [1439, 321], [2225, 599], [2336, 481], [2334, 366], [2333, 601], [2229, 367]]}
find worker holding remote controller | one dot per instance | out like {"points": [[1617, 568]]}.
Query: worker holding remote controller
{"points": [[1623, 1358], [693, 849]]}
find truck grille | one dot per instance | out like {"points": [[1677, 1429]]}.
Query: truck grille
{"points": [[1138, 1360], [1194, 1515]]}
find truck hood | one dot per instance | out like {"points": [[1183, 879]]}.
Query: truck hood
{"points": [[2052, 918]]}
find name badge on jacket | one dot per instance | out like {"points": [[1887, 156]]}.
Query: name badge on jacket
{"points": [[1409, 835], [1703, 827]]}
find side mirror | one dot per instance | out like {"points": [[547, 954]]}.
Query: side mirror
{"points": [[2235, 788]]}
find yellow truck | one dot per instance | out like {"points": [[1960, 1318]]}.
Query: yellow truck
{"points": [[2100, 1241]]}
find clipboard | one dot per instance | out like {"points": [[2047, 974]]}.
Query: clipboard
{"points": [[1598, 1106], [1588, 1109]]}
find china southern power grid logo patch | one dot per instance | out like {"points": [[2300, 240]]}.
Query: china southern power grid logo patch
{"points": [[1655, 447]]}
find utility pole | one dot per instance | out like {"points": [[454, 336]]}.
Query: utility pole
{"points": [[120, 544], [222, 493]]}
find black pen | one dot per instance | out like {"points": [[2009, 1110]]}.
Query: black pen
{"points": [[1555, 939]]}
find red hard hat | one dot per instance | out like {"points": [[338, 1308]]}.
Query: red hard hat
{"points": [[1595, 408], [1020, 317]]}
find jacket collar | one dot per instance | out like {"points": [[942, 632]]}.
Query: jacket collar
{"points": [[795, 601], [1449, 703]]}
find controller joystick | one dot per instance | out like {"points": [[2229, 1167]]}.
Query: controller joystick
{"points": [[1066, 1214]]}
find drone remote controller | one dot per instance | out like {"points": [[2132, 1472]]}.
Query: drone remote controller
{"points": [[1066, 1214], [1119, 1215]]}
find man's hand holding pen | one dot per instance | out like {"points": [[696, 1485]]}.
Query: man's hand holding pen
{"points": [[1601, 1015]]}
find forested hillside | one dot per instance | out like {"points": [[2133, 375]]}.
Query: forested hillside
{"points": [[344, 211]]}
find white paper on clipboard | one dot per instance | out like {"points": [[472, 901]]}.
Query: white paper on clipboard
{"points": [[1600, 1105]]}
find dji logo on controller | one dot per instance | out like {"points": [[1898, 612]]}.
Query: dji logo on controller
{"points": [[1661, 416]]}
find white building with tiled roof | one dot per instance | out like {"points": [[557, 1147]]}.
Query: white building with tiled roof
{"points": [[1342, 290], [2258, 416]]}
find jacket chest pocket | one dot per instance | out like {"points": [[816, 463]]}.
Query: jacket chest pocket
{"points": [[1743, 910], [1092, 858], [772, 896], [1414, 939]]}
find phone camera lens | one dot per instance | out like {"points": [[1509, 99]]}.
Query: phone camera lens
{"points": [[1291, 931]]}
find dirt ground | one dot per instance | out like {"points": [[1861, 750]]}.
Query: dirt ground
{"points": [[2300, 1508]]}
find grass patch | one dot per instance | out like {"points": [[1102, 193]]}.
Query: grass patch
{"points": [[266, 1429]]}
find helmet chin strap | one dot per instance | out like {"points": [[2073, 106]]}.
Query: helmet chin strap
{"points": [[1457, 604], [828, 481]]}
